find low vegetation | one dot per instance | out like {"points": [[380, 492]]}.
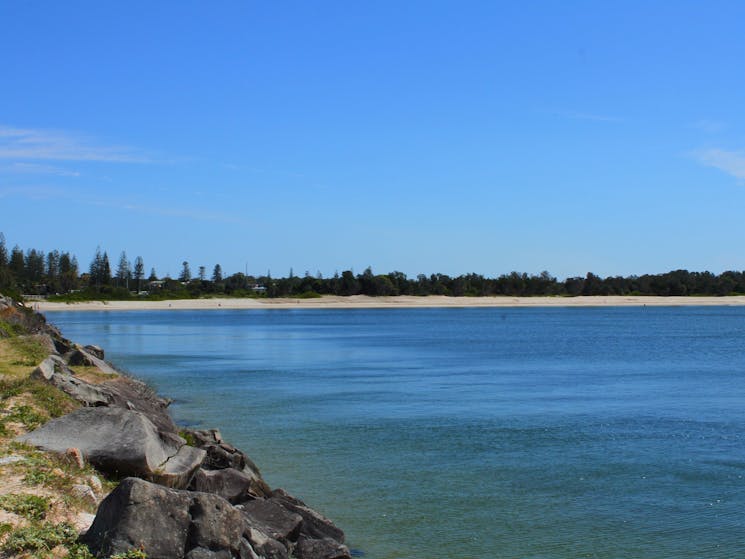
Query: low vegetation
{"points": [[39, 500]]}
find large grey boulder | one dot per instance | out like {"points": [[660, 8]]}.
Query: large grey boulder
{"points": [[321, 549], [167, 524], [95, 350], [127, 392], [80, 356], [120, 442], [122, 392], [276, 522], [222, 455], [55, 371], [231, 484], [315, 525]]}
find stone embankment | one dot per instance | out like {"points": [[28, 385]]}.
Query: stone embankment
{"points": [[184, 493]]}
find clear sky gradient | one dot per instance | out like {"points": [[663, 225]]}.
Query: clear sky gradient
{"points": [[423, 137]]}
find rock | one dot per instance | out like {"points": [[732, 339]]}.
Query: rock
{"points": [[273, 520], [120, 442], [266, 547], [95, 350], [84, 492], [77, 358], [81, 357], [179, 469], [83, 521], [12, 459], [231, 484], [62, 345], [315, 525], [54, 370], [22, 317], [167, 524], [76, 457], [95, 483], [221, 455], [321, 549], [126, 392]]}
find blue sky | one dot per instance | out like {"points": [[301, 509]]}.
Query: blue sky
{"points": [[423, 137]]}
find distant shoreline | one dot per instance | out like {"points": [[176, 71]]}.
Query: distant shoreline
{"points": [[403, 301]]}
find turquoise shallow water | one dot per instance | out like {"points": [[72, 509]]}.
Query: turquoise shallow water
{"points": [[470, 433]]}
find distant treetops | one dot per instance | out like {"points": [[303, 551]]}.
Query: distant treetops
{"points": [[35, 272]]}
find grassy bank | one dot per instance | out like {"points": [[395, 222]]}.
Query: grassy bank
{"points": [[45, 499]]}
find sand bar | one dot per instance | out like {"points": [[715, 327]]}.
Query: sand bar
{"points": [[365, 302]]}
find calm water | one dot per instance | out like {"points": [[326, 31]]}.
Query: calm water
{"points": [[471, 433]]}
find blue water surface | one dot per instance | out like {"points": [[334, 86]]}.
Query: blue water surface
{"points": [[471, 433]]}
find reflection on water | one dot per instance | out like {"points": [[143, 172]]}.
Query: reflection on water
{"points": [[463, 433]]}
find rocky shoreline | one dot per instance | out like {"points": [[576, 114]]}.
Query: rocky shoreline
{"points": [[183, 493]]}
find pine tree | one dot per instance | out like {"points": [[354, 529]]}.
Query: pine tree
{"points": [[217, 274], [185, 272], [139, 272], [68, 272], [53, 271], [6, 278], [105, 270], [3, 252], [123, 271]]}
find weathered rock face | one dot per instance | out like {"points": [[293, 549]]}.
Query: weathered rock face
{"points": [[120, 442], [95, 350], [79, 356], [175, 524], [55, 371], [273, 520], [315, 525], [321, 549], [133, 394], [239, 479], [167, 524], [231, 484]]}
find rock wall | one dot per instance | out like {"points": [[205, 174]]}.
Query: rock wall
{"points": [[204, 500]]}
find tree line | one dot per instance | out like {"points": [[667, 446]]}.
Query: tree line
{"points": [[57, 273]]}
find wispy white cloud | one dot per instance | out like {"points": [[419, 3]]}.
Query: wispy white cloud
{"points": [[51, 145], [37, 169], [40, 192], [731, 162], [33, 193]]}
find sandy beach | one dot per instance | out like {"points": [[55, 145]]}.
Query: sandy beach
{"points": [[364, 302]]}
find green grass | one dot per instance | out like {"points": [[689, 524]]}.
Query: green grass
{"points": [[8, 330], [40, 537], [45, 396], [188, 437], [27, 416], [131, 554], [32, 507], [306, 295], [32, 352]]}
